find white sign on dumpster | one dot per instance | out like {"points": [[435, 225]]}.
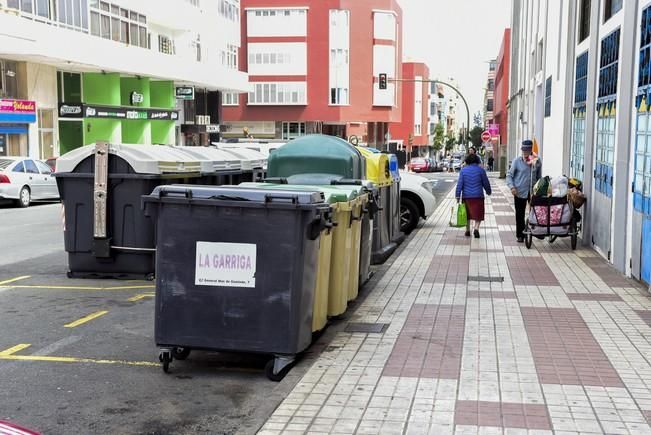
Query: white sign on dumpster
{"points": [[225, 265]]}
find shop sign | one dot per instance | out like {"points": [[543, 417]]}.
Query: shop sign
{"points": [[20, 111], [212, 128], [185, 92], [87, 111], [137, 98]]}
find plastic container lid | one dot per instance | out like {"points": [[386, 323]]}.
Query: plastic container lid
{"points": [[332, 195], [251, 159], [377, 167], [213, 159], [243, 194], [144, 159]]}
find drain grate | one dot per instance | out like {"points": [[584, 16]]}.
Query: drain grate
{"points": [[486, 278], [367, 328]]}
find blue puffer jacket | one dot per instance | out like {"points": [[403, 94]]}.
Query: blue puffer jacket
{"points": [[472, 182]]}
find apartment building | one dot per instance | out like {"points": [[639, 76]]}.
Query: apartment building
{"points": [[501, 98], [314, 67], [413, 130], [581, 75], [77, 71], [489, 94]]}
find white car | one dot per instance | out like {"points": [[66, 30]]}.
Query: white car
{"points": [[416, 201], [25, 180]]}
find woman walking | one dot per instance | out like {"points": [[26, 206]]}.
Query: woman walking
{"points": [[473, 181]]}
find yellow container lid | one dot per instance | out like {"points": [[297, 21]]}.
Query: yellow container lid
{"points": [[378, 169]]}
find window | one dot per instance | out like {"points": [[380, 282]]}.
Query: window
{"points": [[581, 83], [611, 7], [46, 133], [605, 149], [584, 20], [339, 72], [230, 99], [30, 167], [109, 21], [8, 79], [20, 167], [43, 168], [491, 85], [577, 152], [489, 106], [165, 45], [492, 65], [282, 93], [73, 14], [230, 9], [230, 57], [609, 65], [642, 172], [292, 130], [548, 97]]}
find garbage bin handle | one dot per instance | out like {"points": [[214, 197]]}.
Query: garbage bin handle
{"points": [[346, 182], [270, 197], [276, 180], [170, 191]]}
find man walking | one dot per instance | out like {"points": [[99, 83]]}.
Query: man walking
{"points": [[525, 171]]}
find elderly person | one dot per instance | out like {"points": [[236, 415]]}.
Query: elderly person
{"points": [[473, 181], [525, 171]]}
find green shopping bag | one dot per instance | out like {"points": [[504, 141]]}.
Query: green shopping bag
{"points": [[459, 217]]}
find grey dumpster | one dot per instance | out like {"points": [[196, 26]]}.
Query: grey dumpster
{"points": [[254, 164], [242, 277], [217, 167], [106, 233]]}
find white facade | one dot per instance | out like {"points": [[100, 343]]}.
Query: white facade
{"points": [[277, 58], [339, 77], [418, 108], [265, 22], [579, 90], [385, 59]]}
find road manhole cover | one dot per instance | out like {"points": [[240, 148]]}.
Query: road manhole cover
{"points": [[486, 278], [367, 328]]}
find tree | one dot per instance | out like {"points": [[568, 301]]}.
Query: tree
{"points": [[450, 142], [439, 136], [475, 136]]}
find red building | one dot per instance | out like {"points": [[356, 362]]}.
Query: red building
{"points": [[502, 80], [415, 107], [313, 66]]}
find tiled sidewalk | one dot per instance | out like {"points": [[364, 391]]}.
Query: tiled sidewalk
{"points": [[485, 336]]}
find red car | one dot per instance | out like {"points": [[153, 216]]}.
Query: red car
{"points": [[418, 165]]}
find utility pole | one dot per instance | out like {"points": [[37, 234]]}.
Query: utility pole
{"points": [[384, 80]]}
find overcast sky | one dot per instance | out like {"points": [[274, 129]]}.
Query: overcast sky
{"points": [[456, 38]]}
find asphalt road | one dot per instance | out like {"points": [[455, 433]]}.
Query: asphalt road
{"points": [[78, 356]]}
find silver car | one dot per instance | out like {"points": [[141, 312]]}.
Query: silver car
{"points": [[25, 180]]}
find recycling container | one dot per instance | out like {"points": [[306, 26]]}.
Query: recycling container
{"points": [[242, 277], [253, 164], [317, 154], [344, 245], [217, 167], [395, 234], [106, 233], [378, 171]]}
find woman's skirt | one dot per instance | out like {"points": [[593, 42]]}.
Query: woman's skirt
{"points": [[475, 208]]}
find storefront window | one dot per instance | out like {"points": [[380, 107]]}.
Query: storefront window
{"points": [[46, 133], [293, 130]]}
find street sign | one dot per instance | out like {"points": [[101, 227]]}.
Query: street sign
{"points": [[486, 136], [494, 129], [185, 92]]}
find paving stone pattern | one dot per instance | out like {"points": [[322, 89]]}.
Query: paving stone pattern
{"points": [[561, 345]]}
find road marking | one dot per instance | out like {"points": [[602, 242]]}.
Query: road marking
{"points": [[140, 297], [9, 281], [64, 359], [52, 348], [83, 320], [59, 287], [12, 350]]}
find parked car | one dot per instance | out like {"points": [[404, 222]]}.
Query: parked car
{"points": [[456, 164], [25, 180], [418, 164], [416, 201], [52, 163]]}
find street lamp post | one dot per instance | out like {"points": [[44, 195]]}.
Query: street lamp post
{"points": [[467, 130]]}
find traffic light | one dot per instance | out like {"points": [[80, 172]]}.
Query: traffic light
{"points": [[383, 81]]}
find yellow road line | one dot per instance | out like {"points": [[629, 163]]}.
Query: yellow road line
{"points": [[140, 297], [12, 350], [76, 360], [63, 287], [9, 281], [83, 320]]}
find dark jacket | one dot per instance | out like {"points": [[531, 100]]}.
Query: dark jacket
{"points": [[472, 182]]}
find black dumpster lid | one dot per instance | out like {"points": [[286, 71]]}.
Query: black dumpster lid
{"points": [[233, 193]]}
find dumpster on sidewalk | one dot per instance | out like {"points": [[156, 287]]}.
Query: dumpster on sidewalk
{"points": [[254, 164], [317, 154], [395, 234], [342, 282], [242, 277], [106, 233], [378, 171], [217, 167]]}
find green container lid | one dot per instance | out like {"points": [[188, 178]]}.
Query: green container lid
{"points": [[333, 194], [316, 154]]}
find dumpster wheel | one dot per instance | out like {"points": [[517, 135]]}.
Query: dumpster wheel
{"points": [[181, 353], [165, 357], [277, 368]]}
